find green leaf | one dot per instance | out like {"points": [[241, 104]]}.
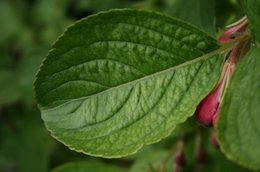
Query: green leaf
{"points": [[198, 12], [252, 10], [124, 78], [238, 128], [87, 167]]}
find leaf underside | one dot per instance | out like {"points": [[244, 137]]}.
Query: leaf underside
{"points": [[238, 128], [124, 78]]}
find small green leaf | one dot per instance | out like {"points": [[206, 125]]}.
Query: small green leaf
{"points": [[252, 10], [87, 167], [124, 78], [238, 128]]}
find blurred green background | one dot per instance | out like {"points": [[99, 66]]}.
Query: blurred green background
{"points": [[28, 28]]}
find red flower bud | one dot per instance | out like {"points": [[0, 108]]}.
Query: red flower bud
{"points": [[215, 117], [225, 38], [208, 108], [234, 30]]}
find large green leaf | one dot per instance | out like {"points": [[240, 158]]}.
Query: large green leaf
{"points": [[87, 167], [252, 10], [124, 78], [238, 126]]}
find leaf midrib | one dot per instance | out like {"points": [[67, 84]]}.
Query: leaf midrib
{"points": [[221, 50]]}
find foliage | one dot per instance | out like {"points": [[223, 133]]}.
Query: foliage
{"points": [[166, 62]]}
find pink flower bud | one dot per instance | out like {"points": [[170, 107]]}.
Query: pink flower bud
{"points": [[209, 107], [225, 38], [240, 27], [234, 30], [215, 117]]}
